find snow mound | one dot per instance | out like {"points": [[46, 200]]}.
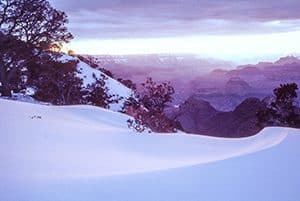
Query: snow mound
{"points": [[48, 142]]}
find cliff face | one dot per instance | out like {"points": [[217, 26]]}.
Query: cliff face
{"points": [[198, 116], [238, 86], [194, 113], [240, 122]]}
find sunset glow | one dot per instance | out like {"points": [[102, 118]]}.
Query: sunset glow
{"points": [[238, 48], [239, 31]]}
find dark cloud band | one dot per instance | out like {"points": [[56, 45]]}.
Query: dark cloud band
{"points": [[159, 18]]}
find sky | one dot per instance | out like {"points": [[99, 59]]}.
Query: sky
{"points": [[237, 30]]}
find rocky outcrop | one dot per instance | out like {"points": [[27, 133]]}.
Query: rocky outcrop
{"points": [[240, 122], [193, 114], [198, 116]]}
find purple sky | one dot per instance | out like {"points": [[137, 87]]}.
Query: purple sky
{"points": [[157, 19], [168, 18]]}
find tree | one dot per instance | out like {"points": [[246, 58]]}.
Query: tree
{"points": [[155, 97], [13, 56], [147, 107], [281, 110], [35, 22], [57, 83], [98, 93], [27, 27]]}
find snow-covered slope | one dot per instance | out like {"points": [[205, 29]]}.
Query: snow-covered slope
{"points": [[114, 87], [81, 152], [84, 141]]}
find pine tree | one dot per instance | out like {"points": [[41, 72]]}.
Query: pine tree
{"points": [[27, 27], [282, 110], [98, 93], [57, 83]]}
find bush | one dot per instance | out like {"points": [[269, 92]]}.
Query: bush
{"points": [[137, 125], [90, 60], [147, 107], [127, 83], [98, 93]]}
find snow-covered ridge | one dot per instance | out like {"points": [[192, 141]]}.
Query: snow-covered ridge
{"points": [[86, 74], [40, 142]]}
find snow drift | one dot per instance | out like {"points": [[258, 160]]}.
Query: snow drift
{"points": [[87, 153], [39, 141]]}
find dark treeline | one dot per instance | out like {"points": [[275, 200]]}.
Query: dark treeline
{"points": [[31, 35]]}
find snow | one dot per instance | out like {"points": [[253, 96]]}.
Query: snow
{"points": [[85, 72], [24, 98], [88, 153], [114, 87]]}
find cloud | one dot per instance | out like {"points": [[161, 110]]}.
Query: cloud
{"points": [[169, 18]]}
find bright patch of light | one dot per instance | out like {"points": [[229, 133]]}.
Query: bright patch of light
{"points": [[234, 47]]}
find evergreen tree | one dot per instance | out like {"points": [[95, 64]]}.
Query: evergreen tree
{"points": [[35, 22], [282, 111], [57, 83], [13, 56], [98, 93], [27, 27]]}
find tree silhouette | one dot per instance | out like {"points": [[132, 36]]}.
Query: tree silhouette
{"points": [[56, 82], [13, 56], [154, 96], [282, 110], [98, 93], [27, 27], [35, 22], [147, 107]]}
